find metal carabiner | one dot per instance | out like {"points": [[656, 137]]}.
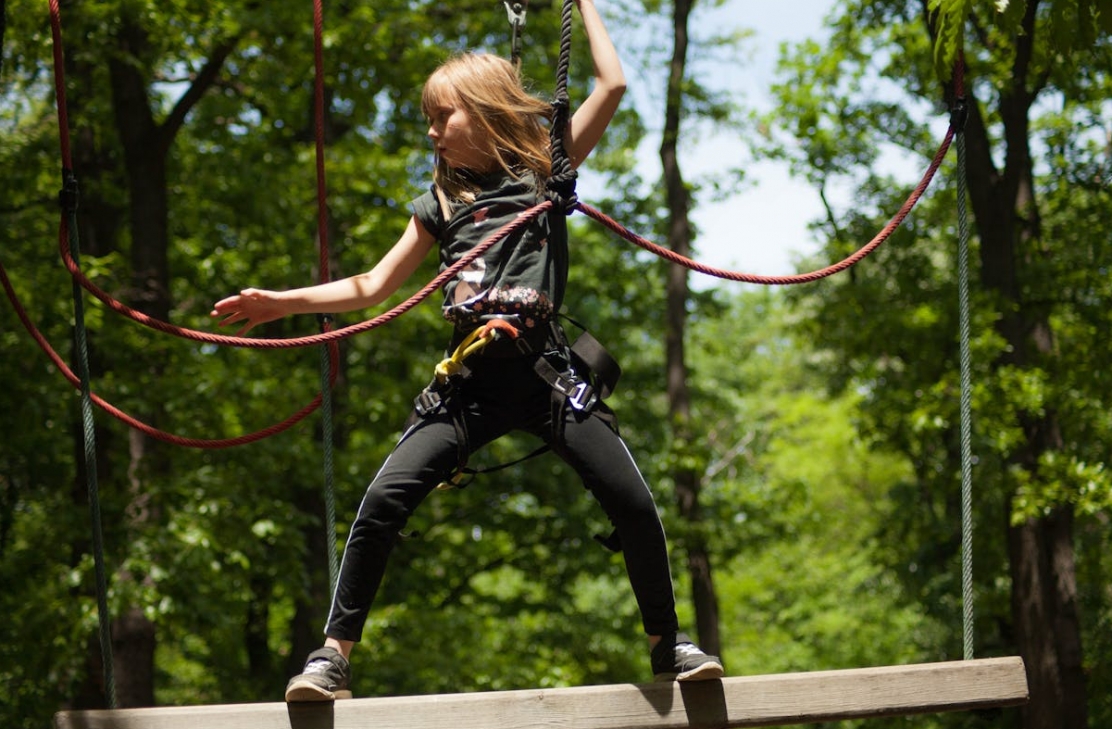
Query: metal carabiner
{"points": [[515, 12]]}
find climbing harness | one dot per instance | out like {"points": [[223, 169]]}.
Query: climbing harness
{"points": [[580, 376]]}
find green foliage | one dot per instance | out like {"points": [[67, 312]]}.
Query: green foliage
{"points": [[826, 418], [888, 329], [949, 21]]}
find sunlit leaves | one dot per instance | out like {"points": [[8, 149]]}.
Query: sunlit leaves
{"points": [[949, 18]]}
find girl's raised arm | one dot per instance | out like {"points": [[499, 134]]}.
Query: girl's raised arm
{"points": [[592, 117]]}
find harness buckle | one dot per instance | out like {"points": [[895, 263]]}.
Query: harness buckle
{"points": [[582, 397], [428, 402]]}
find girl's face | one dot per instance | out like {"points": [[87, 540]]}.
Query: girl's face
{"points": [[458, 142]]}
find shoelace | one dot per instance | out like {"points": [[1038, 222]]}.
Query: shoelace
{"points": [[688, 649], [320, 665]]}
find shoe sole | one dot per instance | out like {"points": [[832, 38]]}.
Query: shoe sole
{"points": [[705, 672], [308, 691]]}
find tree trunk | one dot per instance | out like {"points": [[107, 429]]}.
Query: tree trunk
{"points": [[133, 644], [1044, 604], [688, 481], [1044, 582], [256, 636]]}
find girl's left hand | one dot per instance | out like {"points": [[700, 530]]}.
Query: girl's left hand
{"points": [[254, 306]]}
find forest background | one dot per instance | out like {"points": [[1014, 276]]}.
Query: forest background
{"points": [[803, 442]]}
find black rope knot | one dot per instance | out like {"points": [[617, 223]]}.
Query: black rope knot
{"points": [[560, 187], [959, 113], [68, 196]]}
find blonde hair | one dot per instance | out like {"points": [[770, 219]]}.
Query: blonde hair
{"points": [[489, 89]]}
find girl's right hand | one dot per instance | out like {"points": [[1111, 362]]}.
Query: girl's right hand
{"points": [[253, 306]]}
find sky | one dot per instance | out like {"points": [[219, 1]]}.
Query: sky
{"points": [[763, 228]]}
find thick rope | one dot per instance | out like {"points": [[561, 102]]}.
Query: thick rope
{"points": [[129, 420], [332, 336], [329, 337], [393, 313], [70, 191], [561, 181]]}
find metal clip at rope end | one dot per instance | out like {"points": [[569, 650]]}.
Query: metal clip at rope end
{"points": [[455, 482], [959, 113], [68, 195], [515, 13]]}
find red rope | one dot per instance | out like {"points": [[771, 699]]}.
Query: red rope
{"points": [[331, 337], [60, 84], [883, 235], [318, 106], [248, 342], [63, 124], [115, 412], [211, 338]]}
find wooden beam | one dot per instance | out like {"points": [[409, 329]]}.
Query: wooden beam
{"points": [[791, 698]]}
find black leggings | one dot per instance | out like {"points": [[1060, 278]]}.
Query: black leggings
{"points": [[503, 395]]}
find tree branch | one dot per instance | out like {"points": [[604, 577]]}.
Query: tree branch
{"points": [[203, 80]]}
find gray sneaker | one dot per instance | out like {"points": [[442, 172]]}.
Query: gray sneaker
{"points": [[326, 677], [677, 658]]}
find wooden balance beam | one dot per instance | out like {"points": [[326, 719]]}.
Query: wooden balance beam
{"points": [[791, 698]]}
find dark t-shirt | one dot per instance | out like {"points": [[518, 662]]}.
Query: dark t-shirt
{"points": [[525, 274]]}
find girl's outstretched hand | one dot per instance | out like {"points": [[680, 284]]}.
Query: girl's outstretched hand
{"points": [[253, 306]]}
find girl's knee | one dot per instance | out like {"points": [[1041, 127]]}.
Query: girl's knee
{"points": [[384, 509]]}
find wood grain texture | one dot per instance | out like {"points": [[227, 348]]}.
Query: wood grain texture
{"points": [[790, 698]]}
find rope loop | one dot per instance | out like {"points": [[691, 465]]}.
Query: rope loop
{"points": [[479, 337]]}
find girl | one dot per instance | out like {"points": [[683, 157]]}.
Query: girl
{"points": [[492, 161]]}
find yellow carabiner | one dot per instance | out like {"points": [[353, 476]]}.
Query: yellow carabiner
{"points": [[473, 342]]}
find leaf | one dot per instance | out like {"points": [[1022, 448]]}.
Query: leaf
{"points": [[949, 20]]}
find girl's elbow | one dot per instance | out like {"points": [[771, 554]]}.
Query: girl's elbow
{"points": [[615, 88]]}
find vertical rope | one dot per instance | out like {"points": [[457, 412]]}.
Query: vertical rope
{"points": [[327, 351], [88, 430], [561, 184], [564, 62], [68, 200], [326, 365], [967, 598]]}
